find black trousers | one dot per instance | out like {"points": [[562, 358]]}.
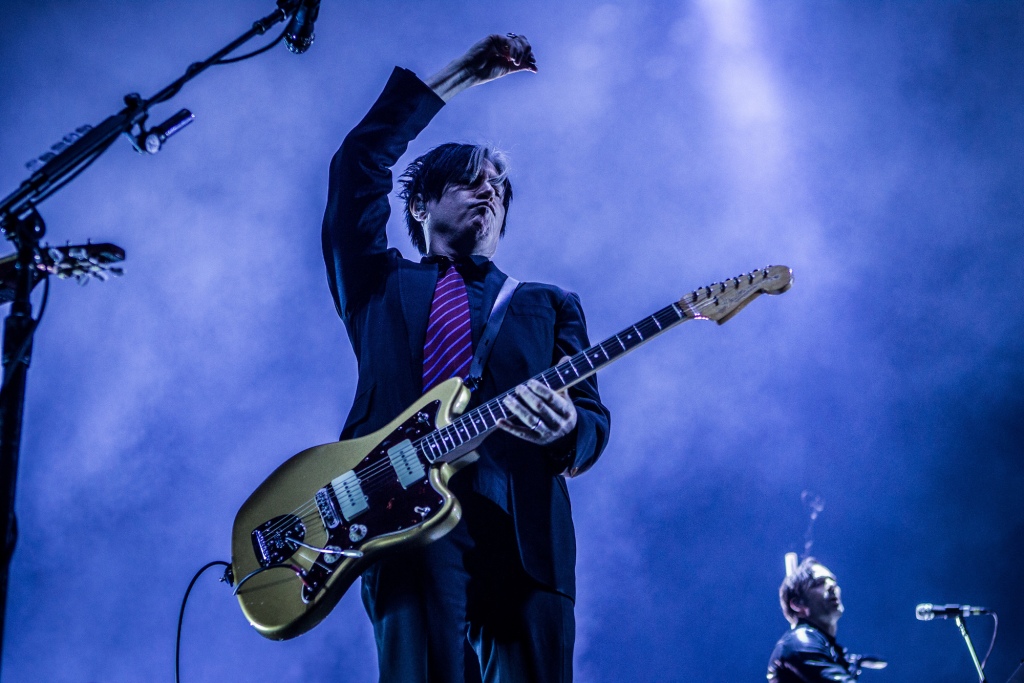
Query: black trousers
{"points": [[463, 610]]}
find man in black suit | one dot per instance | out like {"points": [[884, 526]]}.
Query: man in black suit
{"points": [[808, 652], [494, 598]]}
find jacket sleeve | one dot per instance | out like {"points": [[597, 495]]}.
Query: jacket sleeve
{"points": [[581, 448], [354, 229]]}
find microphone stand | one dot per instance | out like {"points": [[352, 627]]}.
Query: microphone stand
{"points": [[970, 647], [22, 224]]}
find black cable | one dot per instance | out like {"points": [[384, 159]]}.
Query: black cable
{"points": [[29, 335], [254, 52], [181, 614], [196, 67], [190, 73]]}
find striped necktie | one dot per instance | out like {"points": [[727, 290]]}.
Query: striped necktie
{"points": [[448, 350]]}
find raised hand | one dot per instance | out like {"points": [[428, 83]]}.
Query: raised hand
{"points": [[489, 59], [496, 56]]}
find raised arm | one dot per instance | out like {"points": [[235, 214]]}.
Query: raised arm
{"points": [[354, 228]]}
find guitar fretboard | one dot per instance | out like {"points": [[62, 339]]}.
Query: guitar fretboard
{"points": [[483, 419]]}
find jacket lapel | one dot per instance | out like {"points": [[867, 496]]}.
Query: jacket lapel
{"points": [[416, 284]]}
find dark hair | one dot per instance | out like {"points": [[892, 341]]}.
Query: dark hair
{"points": [[445, 165], [795, 586]]}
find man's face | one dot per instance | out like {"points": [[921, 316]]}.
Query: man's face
{"points": [[822, 603], [467, 219]]}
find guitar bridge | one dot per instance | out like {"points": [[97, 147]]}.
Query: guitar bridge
{"points": [[327, 504], [272, 541]]}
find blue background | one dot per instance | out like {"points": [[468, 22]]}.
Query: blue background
{"points": [[874, 147]]}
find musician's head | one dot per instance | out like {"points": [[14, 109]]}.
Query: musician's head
{"points": [[812, 594], [456, 199]]}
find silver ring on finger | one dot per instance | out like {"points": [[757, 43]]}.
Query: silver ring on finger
{"points": [[534, 427]]}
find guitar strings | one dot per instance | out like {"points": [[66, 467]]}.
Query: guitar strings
{"points": [[378, 475], [374, 477], [471, 421]]}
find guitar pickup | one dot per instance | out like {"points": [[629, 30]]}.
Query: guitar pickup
{"points": [[407, 464], [349, 492]]}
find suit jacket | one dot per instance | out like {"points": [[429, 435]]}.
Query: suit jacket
{"points": [[384, 301]]}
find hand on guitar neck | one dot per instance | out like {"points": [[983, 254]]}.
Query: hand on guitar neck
{"points": [[544, 415]]}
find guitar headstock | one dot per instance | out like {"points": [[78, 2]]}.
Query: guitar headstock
{"points": [[81, 261], [722, 300]]}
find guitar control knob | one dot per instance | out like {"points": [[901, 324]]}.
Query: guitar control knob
{"points": [[357, 532], [333, 556]]}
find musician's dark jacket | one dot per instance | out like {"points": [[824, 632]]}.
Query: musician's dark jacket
{"points": [[384, 301], [806, 654]]}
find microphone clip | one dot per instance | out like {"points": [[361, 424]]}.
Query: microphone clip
{"points": [[152, 141]]}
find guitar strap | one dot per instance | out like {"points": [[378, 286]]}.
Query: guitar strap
{"points": [[483, 348]]}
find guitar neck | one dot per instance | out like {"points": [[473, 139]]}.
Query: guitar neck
{"points": [[446, 443], [718, 302]]}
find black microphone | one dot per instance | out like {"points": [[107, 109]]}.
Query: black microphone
{"points": [[156, 137], [927, 611], [299, 34]]}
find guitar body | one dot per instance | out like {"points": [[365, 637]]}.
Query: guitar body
{"points": [[349, 497]]}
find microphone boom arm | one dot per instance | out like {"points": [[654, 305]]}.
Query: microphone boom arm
{"points": [[41, 184]]}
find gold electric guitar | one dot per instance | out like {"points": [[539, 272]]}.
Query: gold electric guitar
{"points": [[326, 514]]}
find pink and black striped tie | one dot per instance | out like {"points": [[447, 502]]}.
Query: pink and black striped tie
{"points": [[448, 350]]}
